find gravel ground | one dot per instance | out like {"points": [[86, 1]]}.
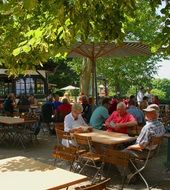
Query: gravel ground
{"points": [[156, 174]]}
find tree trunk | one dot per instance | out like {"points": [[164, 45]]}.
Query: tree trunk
{"points": [[85, 76]]}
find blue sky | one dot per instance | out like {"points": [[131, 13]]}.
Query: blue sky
{"points": [[164, 70]]}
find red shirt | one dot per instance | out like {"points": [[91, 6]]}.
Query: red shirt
{"points": [[65, 108], [116, 118]]}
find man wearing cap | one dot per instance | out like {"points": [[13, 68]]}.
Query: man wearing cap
{"points": [[152, 128]]}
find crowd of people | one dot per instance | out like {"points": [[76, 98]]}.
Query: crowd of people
{"points": [[121, 119], [11, 103], [112, 114]]}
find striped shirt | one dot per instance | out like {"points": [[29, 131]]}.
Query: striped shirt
{"points": [[152, 128]]}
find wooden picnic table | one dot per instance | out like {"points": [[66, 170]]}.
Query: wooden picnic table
{"points": [[16, 130], [5, 120], [108, 138], [26, 173]]}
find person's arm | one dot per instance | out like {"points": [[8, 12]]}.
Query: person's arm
{"points": [[128, 124], [136, 147], [108, 120], [75, 130], [67, 124]]}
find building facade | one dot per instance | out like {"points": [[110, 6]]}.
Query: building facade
{"points": [[34, 82]]}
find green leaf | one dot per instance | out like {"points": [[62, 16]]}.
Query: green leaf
{"points": [[60, 30], [154, 49], [68, 22], [26, 48], [17, 51], [30, 4]]}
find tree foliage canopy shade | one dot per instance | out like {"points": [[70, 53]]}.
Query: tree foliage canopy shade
{"points": [[33, 30]]}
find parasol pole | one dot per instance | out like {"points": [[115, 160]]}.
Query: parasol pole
{"points": [[94, 83]]}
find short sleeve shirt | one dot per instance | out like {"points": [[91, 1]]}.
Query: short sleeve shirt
{"points": [[98, 117], [116, 118], [152, 128]]}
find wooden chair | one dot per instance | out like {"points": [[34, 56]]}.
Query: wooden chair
{"points": [[62, 135], [60, 125], [98, 186], [117, 158], [23, 108], [135, 130], [66, 154], [151, 153], [66, 136], [90, 157]]}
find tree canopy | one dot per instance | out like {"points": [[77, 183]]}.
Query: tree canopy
{"points": [[32, 31], [123, 73]]}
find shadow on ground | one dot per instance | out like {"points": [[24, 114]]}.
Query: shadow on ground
{"points": [[156, 174]]}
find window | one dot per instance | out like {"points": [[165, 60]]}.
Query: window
{"points": [[5, 88], [40, 86], [25, 86], [29, 86], [20, 86]]}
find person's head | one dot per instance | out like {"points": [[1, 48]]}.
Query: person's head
{"points": [[145, 98], [65, 101], [155, 98], [121, 108], [84, 99], [50, 99], [132, 102], [142, 88], [66, 94], [151, 112], [106, 102], [11, 96], [132, 97], [90, 100], [76, 110], [56, 97]]}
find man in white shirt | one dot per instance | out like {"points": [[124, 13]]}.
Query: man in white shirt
{"points": [[140, 95], [149, 95], [73, 122]]}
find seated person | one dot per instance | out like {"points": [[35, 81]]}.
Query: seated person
{"points": [[9, 105], [120, 120], [152, 128], [73, 122], [137, 113], [23, 104], [113, 105], [67, 96], [144, 103], [156, 100], [32, 100], [47, 111], [56, 102], [63, 110], [100, 114], [87, 110]]}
